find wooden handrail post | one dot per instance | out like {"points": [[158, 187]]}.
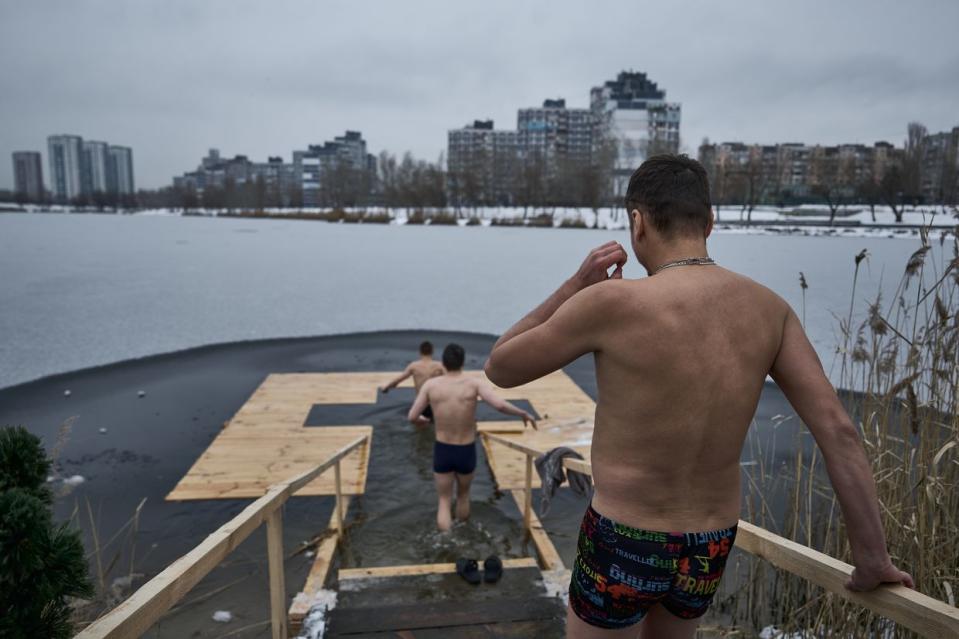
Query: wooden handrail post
{"points": [[528, 502], [339, 500], [274, 551]]}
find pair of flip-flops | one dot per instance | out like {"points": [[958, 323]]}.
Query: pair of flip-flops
{"points": [[468, 569]]}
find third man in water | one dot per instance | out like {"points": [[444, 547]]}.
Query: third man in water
{"points": [[420, 370]]}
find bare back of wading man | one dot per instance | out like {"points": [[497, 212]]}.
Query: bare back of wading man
{"points": [[420, 370], [453, 397], [681, 358]]}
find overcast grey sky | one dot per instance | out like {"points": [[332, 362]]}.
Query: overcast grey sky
{"points": [[172, 78]]}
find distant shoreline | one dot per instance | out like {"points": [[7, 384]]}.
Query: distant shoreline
{"points": [[798, 221]]}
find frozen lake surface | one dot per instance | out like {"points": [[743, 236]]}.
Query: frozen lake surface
{"points": [[85, 290]]}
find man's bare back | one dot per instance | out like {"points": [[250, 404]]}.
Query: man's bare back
{"points": [[420, 370], [680, 366], [453, 398], [423, 370]]}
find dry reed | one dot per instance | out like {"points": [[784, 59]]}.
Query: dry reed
{"points": [[900, 381]]}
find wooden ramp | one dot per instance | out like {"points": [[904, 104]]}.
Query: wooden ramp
{"points": [[430, 602], [267, 440]]}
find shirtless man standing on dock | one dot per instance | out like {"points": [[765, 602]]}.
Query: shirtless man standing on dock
{"points": [[681, 357], [421, 370], [453, 397]]}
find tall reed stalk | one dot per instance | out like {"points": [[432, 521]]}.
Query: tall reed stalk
{"points": [[900, 381]]}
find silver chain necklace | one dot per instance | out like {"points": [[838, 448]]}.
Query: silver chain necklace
{"points": [[688, 261]]}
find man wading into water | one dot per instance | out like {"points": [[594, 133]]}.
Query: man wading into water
{"points": [[681, 358], [421, 370], [453, 397]]}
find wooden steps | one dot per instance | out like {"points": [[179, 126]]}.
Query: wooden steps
{"points": [[494, 618], [426, 602]]}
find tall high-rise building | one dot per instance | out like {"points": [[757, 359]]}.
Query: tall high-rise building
{"points": [[939, 167], [93, 167], [65, 154], [28, 174], [633, 114], [119, 174], [555, 134], [481, 164], [345, 156]]}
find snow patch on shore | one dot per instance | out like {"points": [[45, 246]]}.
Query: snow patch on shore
{"points": [[802, 220], [321, 603]]}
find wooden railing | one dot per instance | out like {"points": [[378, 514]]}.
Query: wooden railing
{"points": [[914, 610], [144, 608]]}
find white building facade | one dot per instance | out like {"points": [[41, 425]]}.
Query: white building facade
{"points": [[65, 154], [94, 168], [632, 113], [120, 170]]}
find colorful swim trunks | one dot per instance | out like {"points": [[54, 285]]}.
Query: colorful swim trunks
{"points": [[620, 572]]}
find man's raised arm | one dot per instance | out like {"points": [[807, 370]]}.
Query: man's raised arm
{"points": [[799, 373], [560, 329]]}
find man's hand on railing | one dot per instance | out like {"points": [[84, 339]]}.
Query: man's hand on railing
{"points": [[868, 579]]}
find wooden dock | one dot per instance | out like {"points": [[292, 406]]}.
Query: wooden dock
{"points": [[268, 440]]}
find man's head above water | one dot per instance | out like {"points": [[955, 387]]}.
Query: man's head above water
{"points": [[453, 357], [668, 204]]}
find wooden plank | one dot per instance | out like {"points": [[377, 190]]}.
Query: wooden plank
{"points": [[549, 558], [498, 630], [447, 614], [338, 506], [238, 466], [266, 439], [505, 426], [914, 610], [274, 553], [528, 493], [346, 574], [316, 578]]}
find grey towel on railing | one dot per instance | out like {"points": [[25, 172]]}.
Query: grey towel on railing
{"points": [[552, 474]]}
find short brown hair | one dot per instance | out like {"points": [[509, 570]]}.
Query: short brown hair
{"points": [[426, 348], [453, 357], [674, 191]]}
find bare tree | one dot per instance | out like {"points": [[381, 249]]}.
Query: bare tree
{"points": [[891, 190], [868, 192], [530, 185], [386, 166], [832, 176]]}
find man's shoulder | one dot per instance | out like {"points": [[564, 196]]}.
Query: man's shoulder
{"points": [[771, 306], [602, 296]]}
